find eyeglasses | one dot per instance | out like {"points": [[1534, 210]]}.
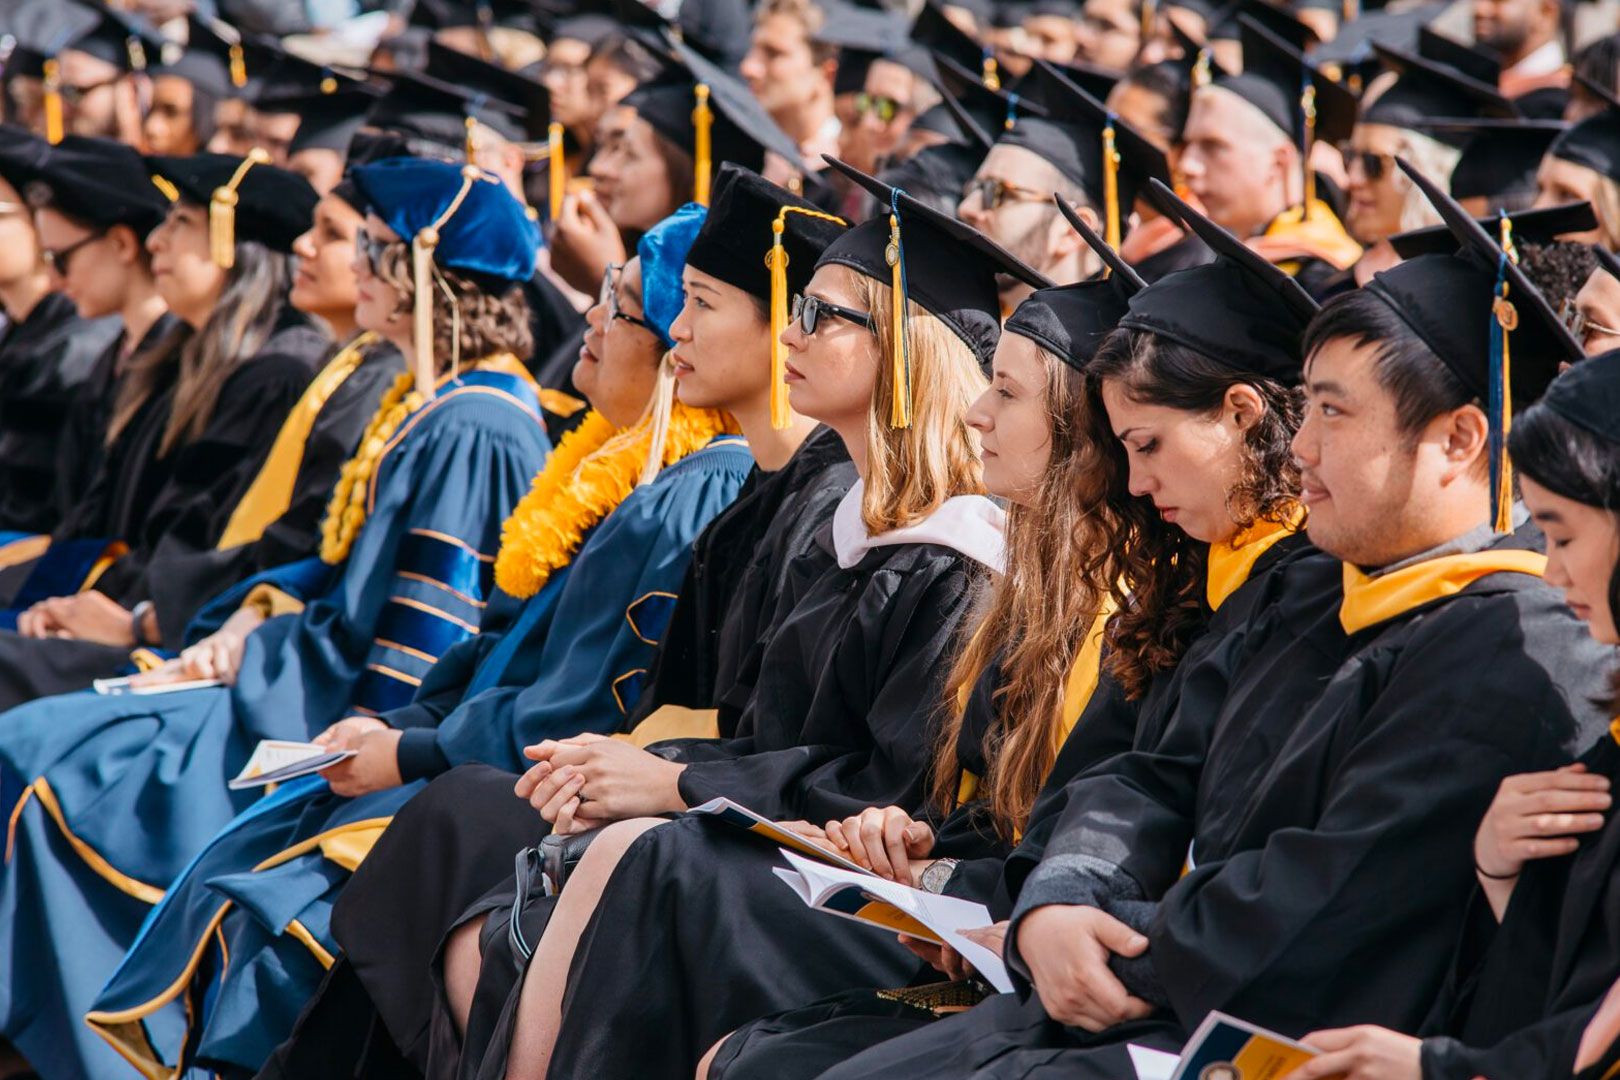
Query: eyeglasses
{"points": [[1579, 326], [1373, 166], [886, 108], [808, 310], [58, 260], [993, 191], [609, 299], [369, 249]]}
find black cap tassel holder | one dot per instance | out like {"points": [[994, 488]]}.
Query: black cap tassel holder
{"points": [[702, 153], [1504, 320], [776, 260], [424, 278], [222, 211], [895, 255]]}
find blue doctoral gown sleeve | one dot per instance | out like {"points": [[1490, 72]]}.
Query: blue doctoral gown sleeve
{"points": [[611, 611]]}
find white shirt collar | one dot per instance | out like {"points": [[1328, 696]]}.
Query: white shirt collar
{"points": [[969, 524]]}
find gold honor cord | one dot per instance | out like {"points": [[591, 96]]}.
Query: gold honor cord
{"points": [[776, 260], [702, 123], [222, 211]]}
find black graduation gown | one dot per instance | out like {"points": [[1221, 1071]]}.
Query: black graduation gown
{"points": [[1522, 992], [734, 583], [462, 832], [800, 1043], [186, 513], [1328, 811], [45, 361]]}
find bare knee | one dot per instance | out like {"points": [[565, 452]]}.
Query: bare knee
{"points": [[463, 960], [609, 847], [708, 1059]]}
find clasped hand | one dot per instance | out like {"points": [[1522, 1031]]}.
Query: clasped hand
{"points": [[217, 656], [588, 781], [1067, 949]]}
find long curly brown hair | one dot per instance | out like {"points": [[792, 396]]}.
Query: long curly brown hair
{"points": [[493, 315], [1162, 568], [1033, 619]]}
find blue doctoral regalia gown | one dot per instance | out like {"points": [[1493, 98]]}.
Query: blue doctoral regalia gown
{"points": [[109, 797], [224, 964]]}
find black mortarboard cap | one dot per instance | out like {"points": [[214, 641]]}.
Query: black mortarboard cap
{"points": [[448, 14], [1274, 79], [1240, 310], [1278, 22], [740, 130], [850, 26], [949, 268], [422, 107], [853, 64], [1350, 54], [720, 30], [1096, 81], [977, 110], [22, 153], [592, 29], [1588, 395], [470, 73], [1594, 143], [327, 121], [1473, 310], [935, 30], [1475, 61], [1499, 156], [55, 26], [737, 234], [1424, 89], [1070, 321], [1536, 226], [209, 61], [937, 175], [271, 205], [291, 76], [102, 182]]}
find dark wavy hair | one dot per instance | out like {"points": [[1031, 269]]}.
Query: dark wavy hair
{"points": [[1571, 461], [1159, 593]]}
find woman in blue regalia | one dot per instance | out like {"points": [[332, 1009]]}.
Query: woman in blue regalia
{"points": [[243, 937], [110, 796]]}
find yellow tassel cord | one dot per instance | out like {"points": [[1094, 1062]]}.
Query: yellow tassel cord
{"points": [[702, 123], [776, 260], [1307, 102], [1110, 185], [165, 185], [1149, 11], [1201, 73], [53, 101], [558, 174], [1352, 10], [423, 276], [222, 211], [592, 470], [471, 145], [1507, 320], [900, 413], [238, 67], [346, 512], [992, 75]]}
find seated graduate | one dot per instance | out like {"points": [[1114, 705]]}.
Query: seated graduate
{"points": [[467, 825], [1538, 953], [606, 601], [864, 734], [1231, 865], [49, 346], [1190, 407], [277, 519], [406, 545], [197, 413]]}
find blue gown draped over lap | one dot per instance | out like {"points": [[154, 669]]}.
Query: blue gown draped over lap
{"points": [[240, 942], [110, 797]]}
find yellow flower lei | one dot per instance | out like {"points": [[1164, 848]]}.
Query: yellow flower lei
{"points": [[346, 512], [593, 469]]}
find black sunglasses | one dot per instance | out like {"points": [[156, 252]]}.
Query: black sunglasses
{"points": [[1373, 166], [808, 310], [59, 260]]}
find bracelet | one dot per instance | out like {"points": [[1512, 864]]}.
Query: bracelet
{"points": [[136, 618], [1484, 873]]}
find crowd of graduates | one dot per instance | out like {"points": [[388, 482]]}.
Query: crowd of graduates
{"points": [[1149, 467]]}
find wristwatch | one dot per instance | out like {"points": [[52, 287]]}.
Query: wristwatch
{"points": [[938, 873]]}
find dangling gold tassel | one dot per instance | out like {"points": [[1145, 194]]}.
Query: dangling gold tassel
{"points": [[992, 75], [776, 260], [1201, 69], [222, 211], [558, 168], [329, 84], [1507, 318], [53, 101], [702, 121], [238, 66], [1110, 185], [1307, 101], [472, 142], [425, 367], [900, 412], [1149, 10], [163, 184]]}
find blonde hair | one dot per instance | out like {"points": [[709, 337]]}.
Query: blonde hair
{"points": [[912, 471], [1433, 159], [1606, 203], [1033, 619]]}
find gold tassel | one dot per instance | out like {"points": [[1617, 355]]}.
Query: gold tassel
{"points": [[163, 184], [238, 66], [222, 211], [992, 75], [776, 259], [1352, 9], [1201, 69], [329, 85], [558, 166], [1110, 185], [53, 101], [471, 144], [1307, 101], [136, 53], [1149, 11], [423, 244], [1507, 316], [900, 413], [702, 121]]}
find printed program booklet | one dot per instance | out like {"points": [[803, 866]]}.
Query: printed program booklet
{"points": [[125, 685], [275, 761], [1224, 1048]]}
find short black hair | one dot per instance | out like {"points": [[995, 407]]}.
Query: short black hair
{"points": [[1407, 369], [1557, 270], [1168, 80]]}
